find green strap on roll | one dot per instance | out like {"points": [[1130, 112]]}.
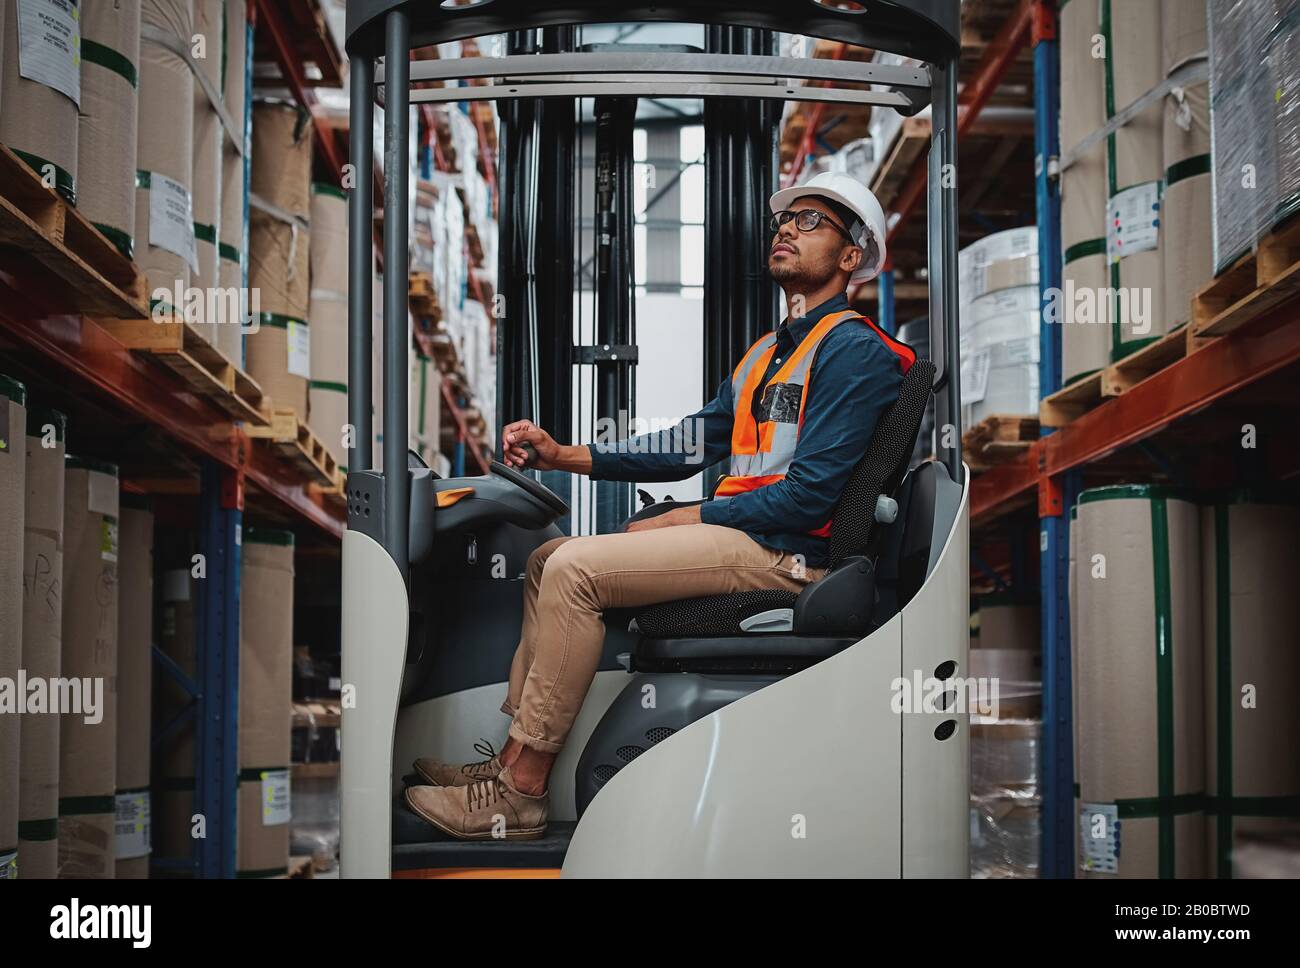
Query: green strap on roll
{"points": [[1081, 250], [278, 321], [205, 233], [1164, 678], [325, 188], [122, 241], [64, 183], [1165, 809], [38, 830], [1187, 168], [262, 873], [331, 386], [253, 774], [86, 806], [228, 252], [110, 59]]}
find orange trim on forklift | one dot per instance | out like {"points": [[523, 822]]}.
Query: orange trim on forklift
{"points": [[447, 498]]}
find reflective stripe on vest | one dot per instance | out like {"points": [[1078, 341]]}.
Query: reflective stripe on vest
{"points": [[761, 451]]}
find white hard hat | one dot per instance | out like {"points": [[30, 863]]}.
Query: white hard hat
{"points": [[868, 232]]}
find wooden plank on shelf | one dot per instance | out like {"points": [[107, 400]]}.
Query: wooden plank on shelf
{"points": [[35, 219], [1124, 374], [912, 139], [203, 368], [1252, 286], [1071, 402]]}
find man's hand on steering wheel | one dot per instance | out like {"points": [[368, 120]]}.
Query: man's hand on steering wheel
{"points": [[515, 435]]}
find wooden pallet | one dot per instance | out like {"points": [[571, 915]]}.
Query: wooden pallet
{"points": [[294, 440], [997, 439], [1071, 402], [1253, 285], [422, 298], [207, 371], [96, 278], [333, 493]]}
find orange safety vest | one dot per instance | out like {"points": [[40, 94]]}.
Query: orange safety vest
{"points": [[761, 451]]}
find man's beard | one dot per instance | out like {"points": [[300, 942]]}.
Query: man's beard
{"points": [[811, 277]]}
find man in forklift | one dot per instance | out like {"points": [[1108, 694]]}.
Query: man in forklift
{"points": [[791, 451]]}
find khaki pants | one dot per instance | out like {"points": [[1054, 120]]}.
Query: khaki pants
{"points": [[570, 581]]}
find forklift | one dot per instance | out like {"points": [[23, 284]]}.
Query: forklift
{"points": [[774, 746]]}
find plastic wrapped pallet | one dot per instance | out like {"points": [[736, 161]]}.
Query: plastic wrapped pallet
{"points": [[279, 353], [1254, 77], [1140, 683], [13, 489], [1250, 556], [1004, 799], [38, 818], [88, 734], [265, 702], [1085, 343], [282, 154], [329, 315], [174, 804], [1005, 623], [165, 246], [134, 685], [106, 141], [1134, 235], [42, 88]]}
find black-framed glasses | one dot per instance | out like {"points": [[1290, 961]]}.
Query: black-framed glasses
{"points": [[806, 220]]}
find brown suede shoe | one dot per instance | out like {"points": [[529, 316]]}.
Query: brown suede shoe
{"points": [[438, 773], [485, 810]]}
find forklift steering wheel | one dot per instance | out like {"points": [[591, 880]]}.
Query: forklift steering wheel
{"points": [[531, 487]]}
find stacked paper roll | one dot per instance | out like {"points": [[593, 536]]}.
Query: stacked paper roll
{"points": [[1085, 341], [134, 685], [426, 407], [177, 640], [230, 248], [329, 315], [13, 490], [88, 735], [1187, 210], [1134, 234], [265, 695], [38, 843], [1140, 684], [236, 56], [164, 206], [210, 25], [106, 141], [279, 353], [41, 95], [1250, 555]]}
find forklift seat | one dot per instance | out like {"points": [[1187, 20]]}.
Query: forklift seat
{"points": [[776, 628]]}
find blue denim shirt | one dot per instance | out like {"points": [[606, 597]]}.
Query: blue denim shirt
{"points": [[855, 379]]}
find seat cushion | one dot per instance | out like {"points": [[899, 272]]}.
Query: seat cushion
{"points": [[770, 652], [711, 614]]}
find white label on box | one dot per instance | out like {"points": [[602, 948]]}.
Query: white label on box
{"points": [[275, 797], [132, 825], [975, 376], [1099, 832], [9, 866], [1023, 350], [1133, 221], [171, 219], [108, 538], [49, 45], [299, 349]]}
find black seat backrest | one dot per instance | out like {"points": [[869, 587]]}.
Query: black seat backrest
{"points": [[853, 523]]}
